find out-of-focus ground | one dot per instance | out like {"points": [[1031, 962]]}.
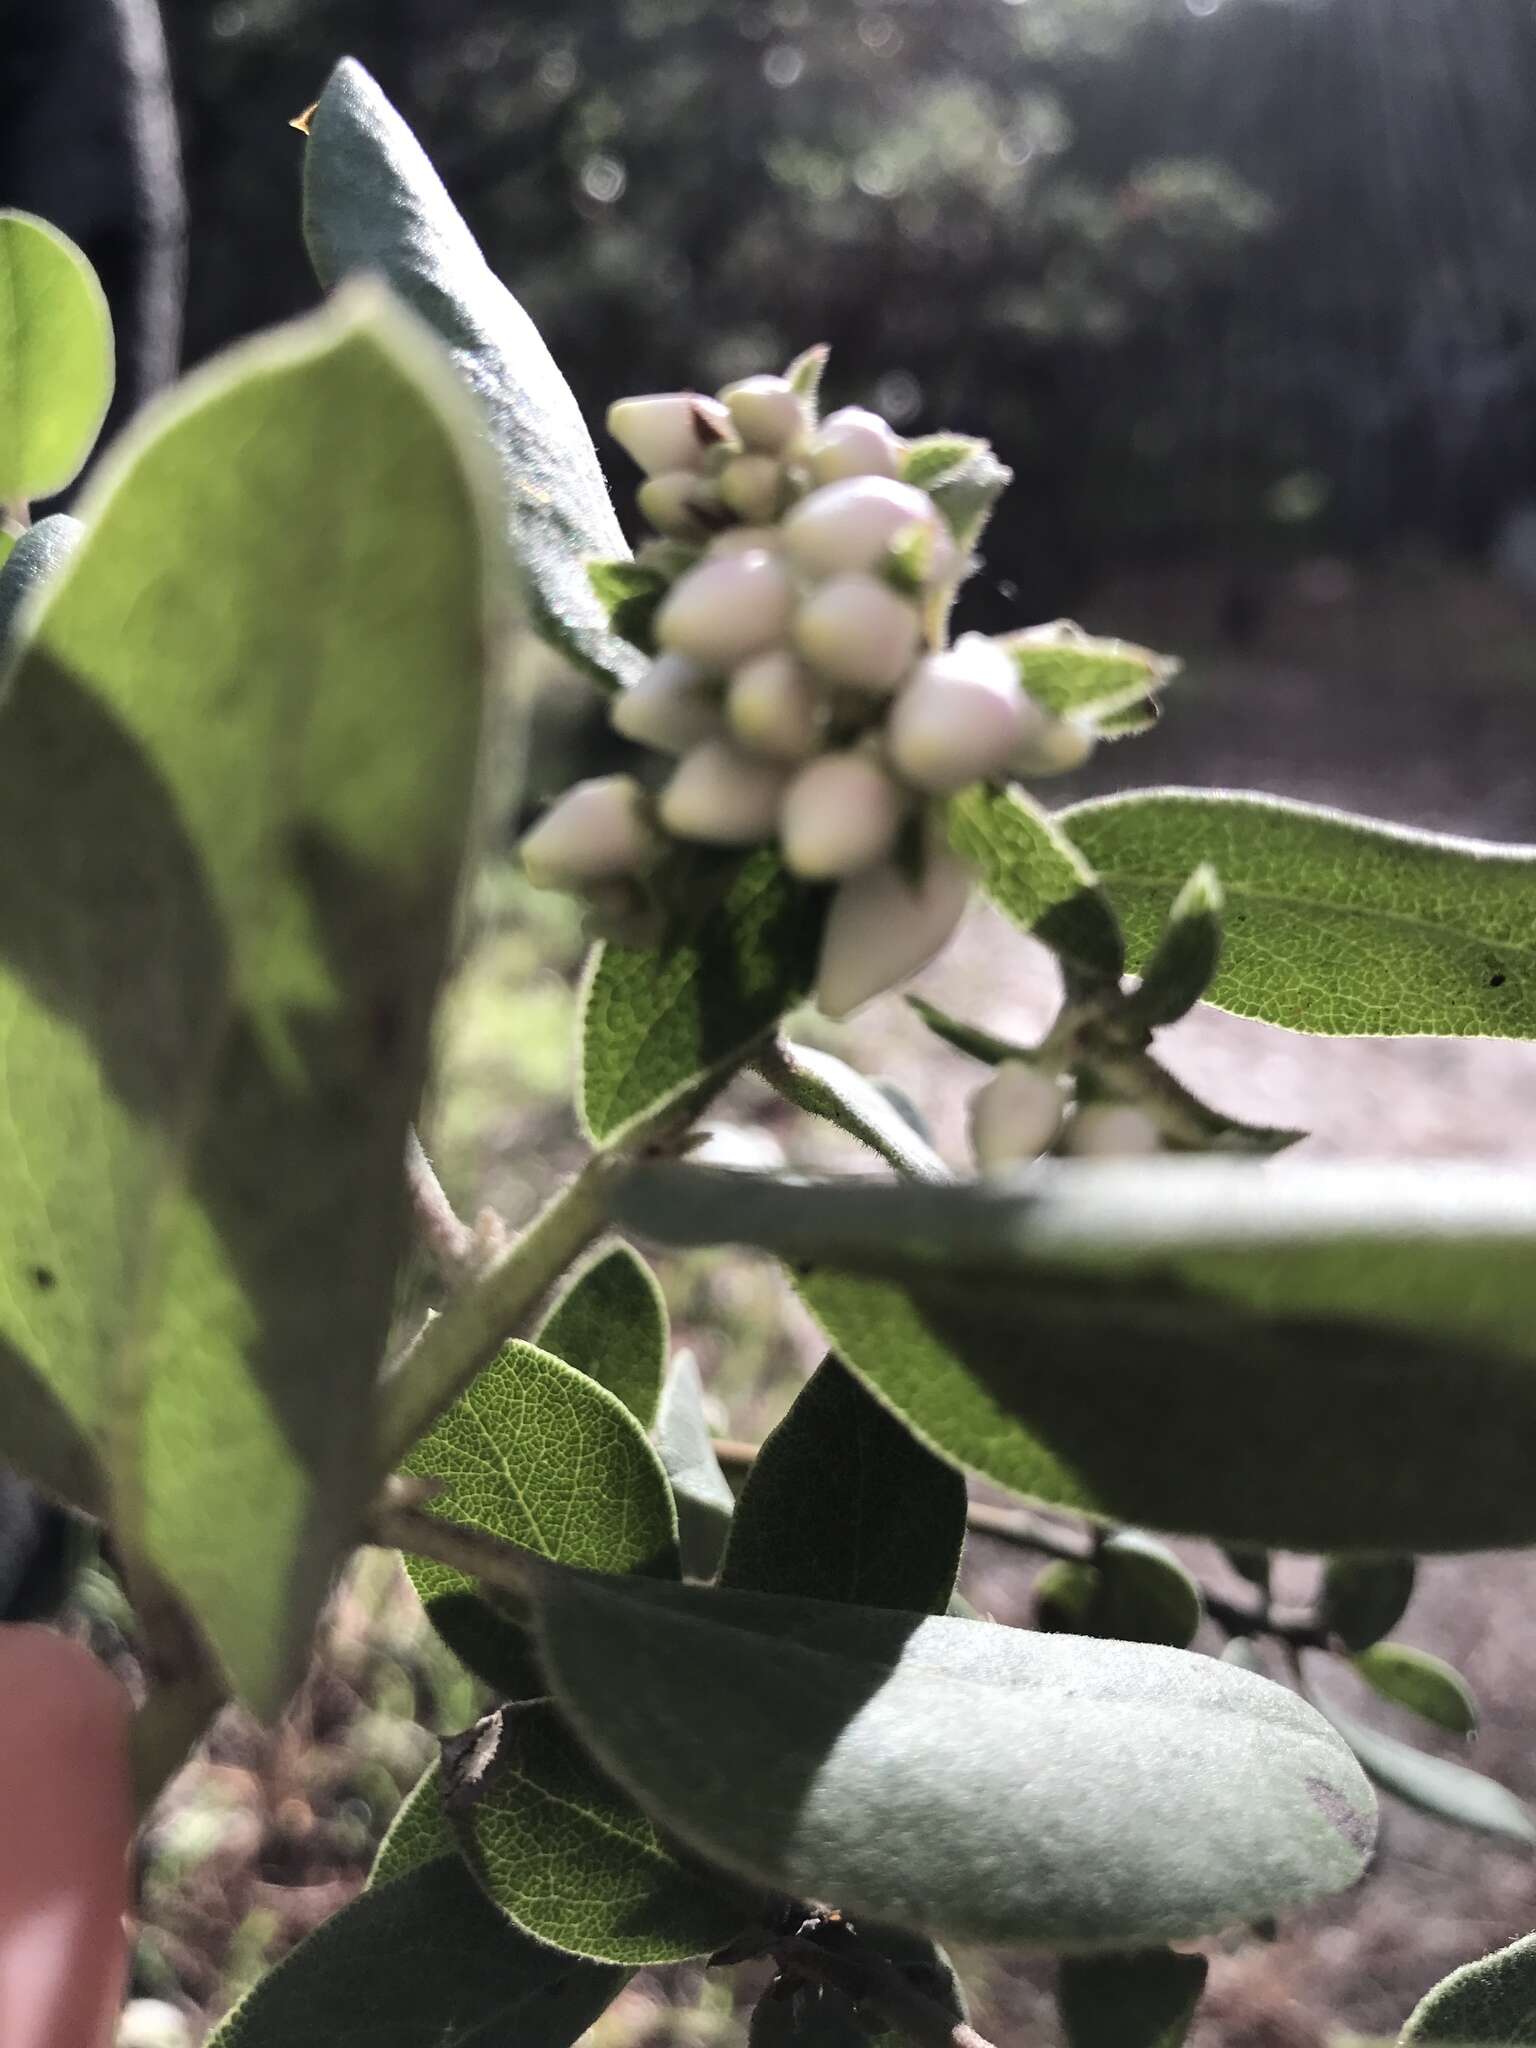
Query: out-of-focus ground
{"points": [[1407, 694]]}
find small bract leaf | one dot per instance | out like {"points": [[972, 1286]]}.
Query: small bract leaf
{"points": [[1334, 924], [1036, 877], [56, 359], [631, 596], [1434, 1785], [705, 1503], [827, 1087], [967, 1038], [373, 202], [40, 553], [1488, 2004], [843, 1503], [953, 1776], [1180, 968], [1364, 1598], [1075, 675], [1135, 2001], [612, 1325], [1425, 1685]]}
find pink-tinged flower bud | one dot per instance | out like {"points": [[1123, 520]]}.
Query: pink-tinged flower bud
{"points": [[752, 486], [1052, 746], [598, 831], [882, 929], [727, 609], [854, 442], [958, 719], [744, 540], [841, 815], [1015, 1117], [765, 412], [723, 796], [668, 430], [678, 503], [851, 525], [856, 630], [672, 707], [774, 708], [1112, 1130]]}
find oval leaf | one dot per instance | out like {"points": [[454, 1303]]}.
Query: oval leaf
{"points": [[705, 1503], [1364, 1598], [1138, 2001], [824, 1086], [612, 1325], [1423, 1684], [1489, 2004], [1145, 1595], [1434, 1785], [56, 359], [956, 1776], [1334, 924]]}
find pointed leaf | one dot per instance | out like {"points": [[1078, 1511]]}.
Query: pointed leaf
{"points": [[1434, 1785], [1075, 675], [1364, 1598], [56, 359], [1038, 878], [705, 1503], [1135, 2001], [237, 756], [1488, 2004], [1423, 1684], [630, 594], [1180, 968], [843, 1503], [418, 1834], [612, 1325], [656, 1026], [40, 553], [967, 1038], [373, 202], [962, 476], [1334, 924], [956, 1776], [824, 1086]]}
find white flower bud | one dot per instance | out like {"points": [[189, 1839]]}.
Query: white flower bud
{"points": [[765, 412], [856, 630], [668, 430], [854, 442], [677, 503], [1112, 1130], [774, 708], [850, 525], [958, 719], [598, 831], [841, 815], [722, 796], [672, 707], [881, 929], [727, 609], [753, 488], [744, 540], [1052, 746], [1015, 1117]]}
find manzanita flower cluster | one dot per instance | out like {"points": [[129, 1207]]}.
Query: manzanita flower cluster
{"points": [[801, 689]]}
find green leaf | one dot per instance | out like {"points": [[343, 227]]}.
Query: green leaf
{"points": [[631, 596], [1135, 2001], [1334, 924], [1434, 1785], [955, 1776], [1037, 877], [418, 1834], [426, 1958], [1250, 1564], [373, 202], [1187, 1124], [1064, 1596], [962, 476], [1182, 964], [56, 359], [1144, 1595], [540, 1455], [843, 1503], [1122, 1340], [824, 1086], [611, 1324], [571, 1859], [806, 2014], [40, 553], [656, 1027], [1075, 675], [705, 1503], [967, 1038], [804, 376], [236, 790], [1488, 2004], [1423, 1684], [1364, 1598]]}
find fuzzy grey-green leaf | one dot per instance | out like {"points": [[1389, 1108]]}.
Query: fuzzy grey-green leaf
{"points": [[39, 554], [705, 1503], [824, 1086], [1436, 1786], [1486, 2004]]}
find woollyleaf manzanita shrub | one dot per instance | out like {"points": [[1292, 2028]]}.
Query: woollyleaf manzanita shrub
{"points": [[239, 744]]}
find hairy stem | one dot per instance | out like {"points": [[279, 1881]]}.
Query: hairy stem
{"points": [[399, 1522], [446, 1238]]}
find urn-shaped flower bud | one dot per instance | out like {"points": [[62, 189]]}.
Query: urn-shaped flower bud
{"points": [[959, 718], [743, 540], [727, 609], [853, 442], [765, 412], [723, 796], [678, 503], [1052, 746], [841, 815], [667, 430], [672, 707], [883, 928], [1015, 1117], [774, 708], [598, 831], [856, 630], [850, 525], [1112, 1130], [752, 486]]}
